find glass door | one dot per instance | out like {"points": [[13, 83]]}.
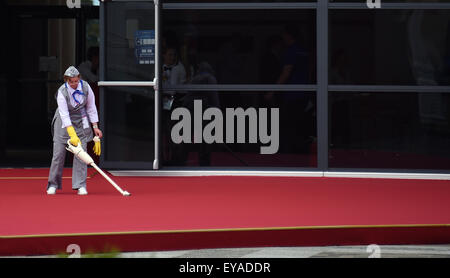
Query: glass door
{"points": [[128, 84]]}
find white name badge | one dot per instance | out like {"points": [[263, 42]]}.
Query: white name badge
{"points": [[85, 122]]}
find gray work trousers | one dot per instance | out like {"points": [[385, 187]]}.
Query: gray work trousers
{"points": [[79, 168]]}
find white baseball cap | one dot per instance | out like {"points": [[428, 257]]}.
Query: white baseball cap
{"points": [[71, 72]]}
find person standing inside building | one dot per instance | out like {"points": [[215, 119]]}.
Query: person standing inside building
{"points": [[296, 107], [174, 73], [76, 111]]}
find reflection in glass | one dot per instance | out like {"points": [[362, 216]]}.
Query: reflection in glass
{"points": [[393, 1], [390, 47], [52, 3], [125, 23], [129, 129], [235, 129], [389, 130], [235, 1], [244, 46]]}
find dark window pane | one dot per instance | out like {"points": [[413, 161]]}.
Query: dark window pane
{"points": [[125, 23], [392, 1], [52, 3], [390, 130], [390, 47], [284, 141], [235, 1], [244, 46], [129, 128]]}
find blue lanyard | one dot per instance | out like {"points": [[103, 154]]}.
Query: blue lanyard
{"points": [[76, 92]]}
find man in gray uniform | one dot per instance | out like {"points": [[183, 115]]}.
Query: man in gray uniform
{"points": [[76, 111]]}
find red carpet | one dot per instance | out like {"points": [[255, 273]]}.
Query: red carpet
{"points": [[169, 213]]}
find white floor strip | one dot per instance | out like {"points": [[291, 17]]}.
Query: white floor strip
{"points": [[200, 173], [385, 175]]}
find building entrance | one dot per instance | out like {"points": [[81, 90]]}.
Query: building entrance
{"points": [[43, 40]]}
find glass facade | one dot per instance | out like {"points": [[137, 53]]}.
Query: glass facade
{"points": [[235, 1], [389, 130], [389, 47], [123, 20], [244, 46], [368, 105], [129, 130], [130, 110], [292, 85], [392, 1], [240, 129]]}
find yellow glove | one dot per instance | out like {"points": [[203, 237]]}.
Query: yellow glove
{"points": [[97, 146], [74, 140]]}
